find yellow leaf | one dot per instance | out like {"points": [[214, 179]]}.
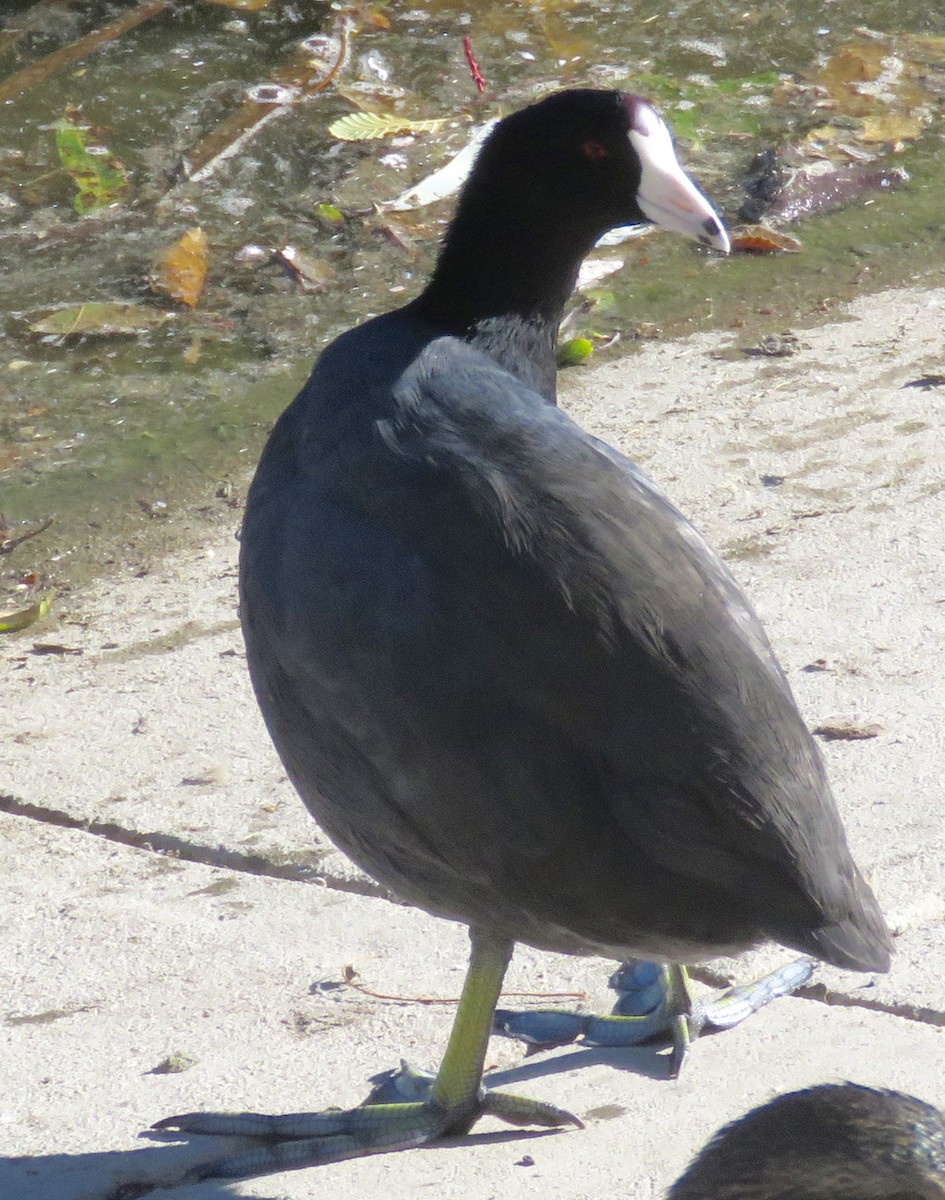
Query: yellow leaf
{"points": [[361, 127], [925, 47], [182, 269], [13, 622], [823, 133], [890, 127], [854, 64], [759, 239]]}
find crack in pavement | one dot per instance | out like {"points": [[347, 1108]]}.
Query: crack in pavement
{"points": [[256, 864], [919, 1013], [169, 845]]}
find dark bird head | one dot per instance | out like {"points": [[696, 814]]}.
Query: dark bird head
{"points": [[589, 161], [831, 1142], [548, 182]]}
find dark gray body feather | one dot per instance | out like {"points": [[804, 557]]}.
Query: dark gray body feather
{"points": [[512, 682]]}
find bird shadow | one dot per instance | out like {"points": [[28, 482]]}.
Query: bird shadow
{"points": [[165, 1170], [645, 1060], [171, 1166]]}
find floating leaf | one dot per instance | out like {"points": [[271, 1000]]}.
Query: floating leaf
{"points": [[891, 127], [593, 270], [100, 318], [885, 81], [328, 212], [574, 351], [182, 269], [758, 239], [362, 127], [311, 272], [860, 62], [99, 176], [13, 622], [925, 47], [447, 179]]}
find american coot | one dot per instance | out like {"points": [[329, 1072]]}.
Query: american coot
{"points": [[505, 674], [831, 1142]]}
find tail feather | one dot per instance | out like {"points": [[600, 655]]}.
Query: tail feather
{"points": [[858, 941]]}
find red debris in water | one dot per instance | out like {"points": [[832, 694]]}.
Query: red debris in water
{"points": [[478, 79]]}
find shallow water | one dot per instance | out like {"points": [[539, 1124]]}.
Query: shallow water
{"points": [[125, 439]]}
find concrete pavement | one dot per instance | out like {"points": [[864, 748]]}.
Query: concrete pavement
{"points": [[164, 892]]}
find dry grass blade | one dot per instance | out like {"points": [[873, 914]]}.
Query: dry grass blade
{"points": [[9, 544], [350, 977]]}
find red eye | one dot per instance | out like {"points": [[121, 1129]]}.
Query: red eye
{"points": [[595, 150]]}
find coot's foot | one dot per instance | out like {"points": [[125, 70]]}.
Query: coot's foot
{"points": [[408, 1084], [654, 1000], [406, 1109], [384, 1123]]}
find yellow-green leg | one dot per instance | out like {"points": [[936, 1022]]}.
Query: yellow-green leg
{"points": [[459, 1078], [451, 1106]]}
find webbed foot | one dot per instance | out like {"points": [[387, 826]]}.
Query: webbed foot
{"points": [[406, 1109], [384, 1123], [654, 999]]}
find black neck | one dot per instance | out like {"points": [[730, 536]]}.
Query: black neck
{"points": [[503, 286]]}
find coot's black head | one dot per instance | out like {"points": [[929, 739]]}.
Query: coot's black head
{"points": [[549, 180], [591, 160]]}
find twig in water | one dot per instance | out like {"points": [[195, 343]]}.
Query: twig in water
{"points": [[37, 72], [477, 75], [9, 544]]}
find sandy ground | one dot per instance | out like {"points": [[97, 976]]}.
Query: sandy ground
{"points": [[164, 892]]}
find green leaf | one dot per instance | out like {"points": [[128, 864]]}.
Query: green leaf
{"points": [[362, 127], [13, 622], [328, 212], [101, 318], [574, 351], [99, 176]]}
